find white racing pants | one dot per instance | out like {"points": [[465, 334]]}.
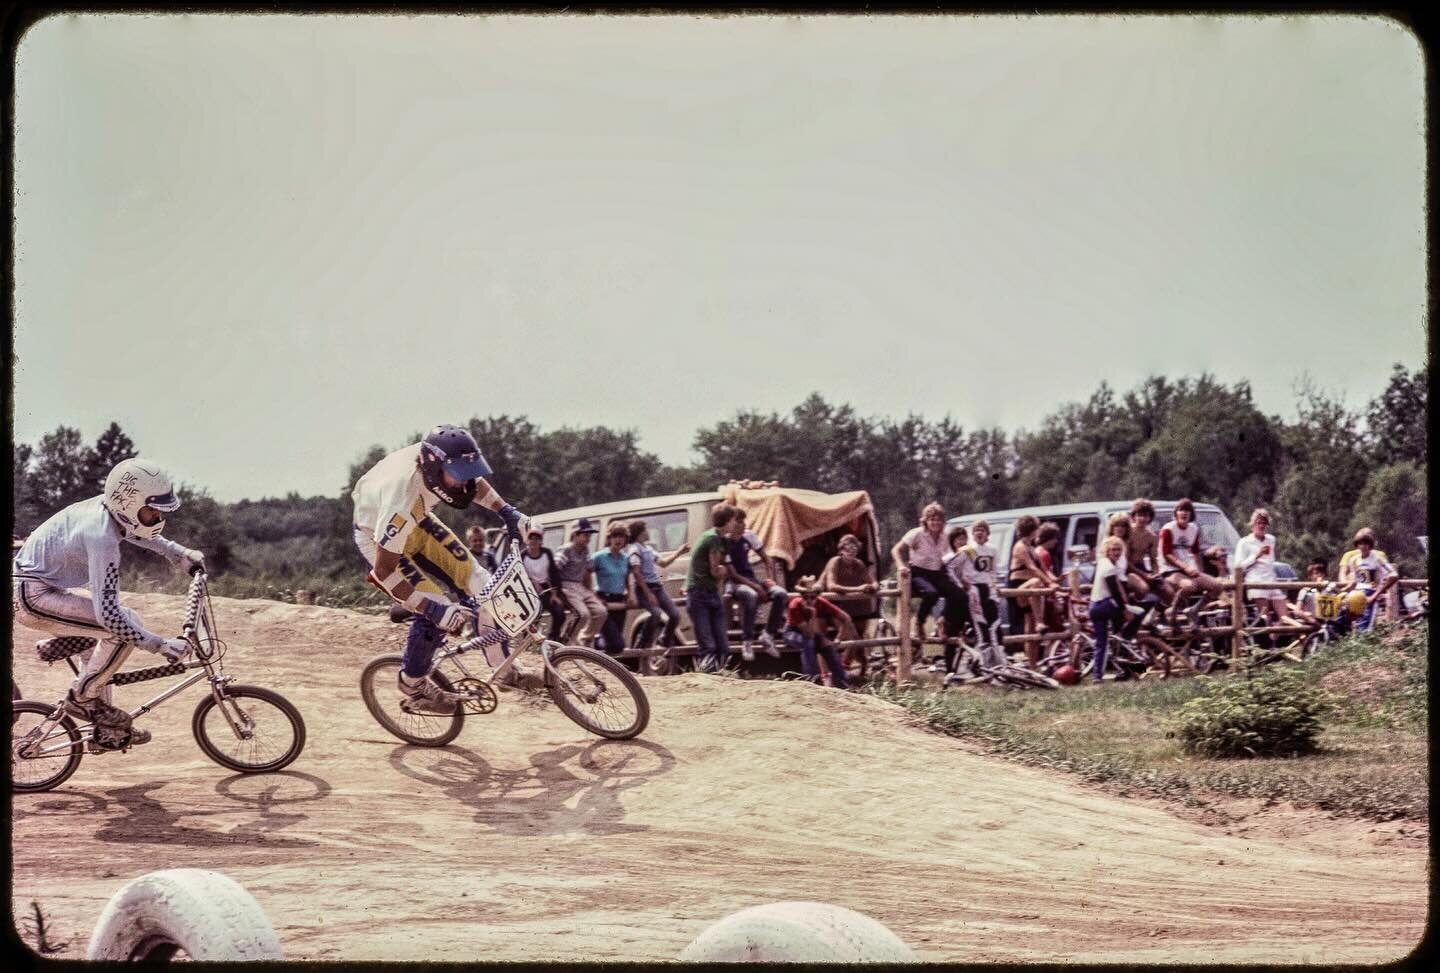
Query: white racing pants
{"points": [[62, 612]]}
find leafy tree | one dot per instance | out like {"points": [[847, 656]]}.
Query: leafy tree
{"points": [[112, 447], [1323, 473], [62, 471], [1398, 418], [25, 506], [1393, 504]]}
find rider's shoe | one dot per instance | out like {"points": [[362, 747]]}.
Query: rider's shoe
{"points": [[767, 642], [424, 695], [747, 651]]}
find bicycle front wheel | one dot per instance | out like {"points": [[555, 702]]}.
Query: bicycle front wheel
{"points": [[380, 688], [29, 775], [602, 695], [251, 730]]}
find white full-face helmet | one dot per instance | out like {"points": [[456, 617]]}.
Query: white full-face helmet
{"points": [[137, 483]]}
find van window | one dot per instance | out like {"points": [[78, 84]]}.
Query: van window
{"points": [[1215, 528], [668, 530], [555, 537], [1087, 531]]}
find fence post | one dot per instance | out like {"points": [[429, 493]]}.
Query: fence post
{"points": [[1237, 612], [902, 620], [1392, 603]]}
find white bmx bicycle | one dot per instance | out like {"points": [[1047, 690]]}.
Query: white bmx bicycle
{"points": [[590, 687], [244, 728]]}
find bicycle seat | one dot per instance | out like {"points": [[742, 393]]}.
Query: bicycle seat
{"points": [[64, 646]]}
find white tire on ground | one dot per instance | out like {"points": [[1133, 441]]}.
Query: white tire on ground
{"points": [[797, 932], [204, 913]]}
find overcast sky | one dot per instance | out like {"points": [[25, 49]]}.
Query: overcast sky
{"points": [[262, 244]]}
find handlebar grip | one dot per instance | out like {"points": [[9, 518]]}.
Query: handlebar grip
{"points": [[195, 569]]}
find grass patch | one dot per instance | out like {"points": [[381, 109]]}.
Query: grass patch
{"points": [[1371, 760]]}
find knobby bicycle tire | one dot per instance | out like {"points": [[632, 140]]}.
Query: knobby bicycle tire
{"points": [[614, 669], [270, 698], [1019, 676], [387, 667], [77, 748]]}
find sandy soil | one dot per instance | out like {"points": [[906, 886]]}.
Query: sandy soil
{"points": [[527, 839]]}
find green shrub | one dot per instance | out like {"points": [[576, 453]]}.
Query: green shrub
{"points": [[1271, 713]]}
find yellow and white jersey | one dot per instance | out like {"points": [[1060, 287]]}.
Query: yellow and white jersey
{"points": [[1368, 571], [391, 499]]}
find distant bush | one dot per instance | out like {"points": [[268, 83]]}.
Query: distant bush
{"points": [[1274, 713]]}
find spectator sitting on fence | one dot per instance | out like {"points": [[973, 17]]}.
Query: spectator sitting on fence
{"points": [[577, 583], [851, 579], [1180, 558], [1368, 571], [612, 574], [1047, 553], [539, 563], [742, 586], [475, 541], [1307, 600], [702, 592], [1142, 553], [920, 555], [645, 565], [1026, 572], [806, 618], [1255, 557]]}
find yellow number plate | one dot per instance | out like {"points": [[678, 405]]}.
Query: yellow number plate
{"points": [[1327, 607]]}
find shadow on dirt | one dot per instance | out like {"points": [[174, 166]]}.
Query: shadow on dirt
{"points": [[150, 822], [567, 790]]}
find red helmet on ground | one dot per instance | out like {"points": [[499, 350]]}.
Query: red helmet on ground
{"points": [[1066, 675]]}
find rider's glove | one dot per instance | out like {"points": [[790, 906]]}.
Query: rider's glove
{"points": [[513, 518], [175, 649], [446, 616], [194, 561]]}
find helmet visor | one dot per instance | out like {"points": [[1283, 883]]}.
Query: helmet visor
{"points": [[467, 466], [165, 502]]}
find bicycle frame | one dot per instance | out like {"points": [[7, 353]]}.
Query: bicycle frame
{"points": [[207, 658], [518, 620]]}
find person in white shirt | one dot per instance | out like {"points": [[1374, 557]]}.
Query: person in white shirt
{"points": [[921, 554], [1180, 557], [79, 547], [418, 560], [977, 573], [1369, 571], [1255, 555], [1107, 599]]}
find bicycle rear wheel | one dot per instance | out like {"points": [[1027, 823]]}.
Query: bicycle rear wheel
{"points": [[271, 732], [606, 698], [380, 688], [29, 775]]}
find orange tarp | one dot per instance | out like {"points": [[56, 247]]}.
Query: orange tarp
{"points": [[785, 518]]}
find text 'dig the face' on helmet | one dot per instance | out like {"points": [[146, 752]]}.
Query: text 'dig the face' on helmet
{"points": [[450, 449], [134, 484]]}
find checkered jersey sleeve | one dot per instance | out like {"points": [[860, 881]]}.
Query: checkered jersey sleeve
{"points": [[119, 621]]}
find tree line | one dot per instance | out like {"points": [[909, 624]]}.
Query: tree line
{"points": [[1323, 475]]}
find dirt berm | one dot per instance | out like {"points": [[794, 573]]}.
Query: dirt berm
{"points": [[527, 839]]}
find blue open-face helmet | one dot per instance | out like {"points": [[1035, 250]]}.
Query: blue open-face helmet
{"points": [[450, 449]]}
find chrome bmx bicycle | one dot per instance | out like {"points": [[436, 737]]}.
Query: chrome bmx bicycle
{"points": [[244, 728], [590, 687]]}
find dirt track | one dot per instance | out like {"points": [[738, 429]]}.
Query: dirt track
{"points": [[526, 839]]}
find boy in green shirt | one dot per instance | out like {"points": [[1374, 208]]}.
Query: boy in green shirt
{"points": [[702, 591]]}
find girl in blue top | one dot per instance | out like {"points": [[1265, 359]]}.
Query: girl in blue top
{"points": [[612, 571]]}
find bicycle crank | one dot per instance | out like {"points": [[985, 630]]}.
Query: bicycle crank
{"points": [[478, 697]]}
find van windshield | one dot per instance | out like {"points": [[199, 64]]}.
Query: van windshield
{"points": [[1215, 528]]}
